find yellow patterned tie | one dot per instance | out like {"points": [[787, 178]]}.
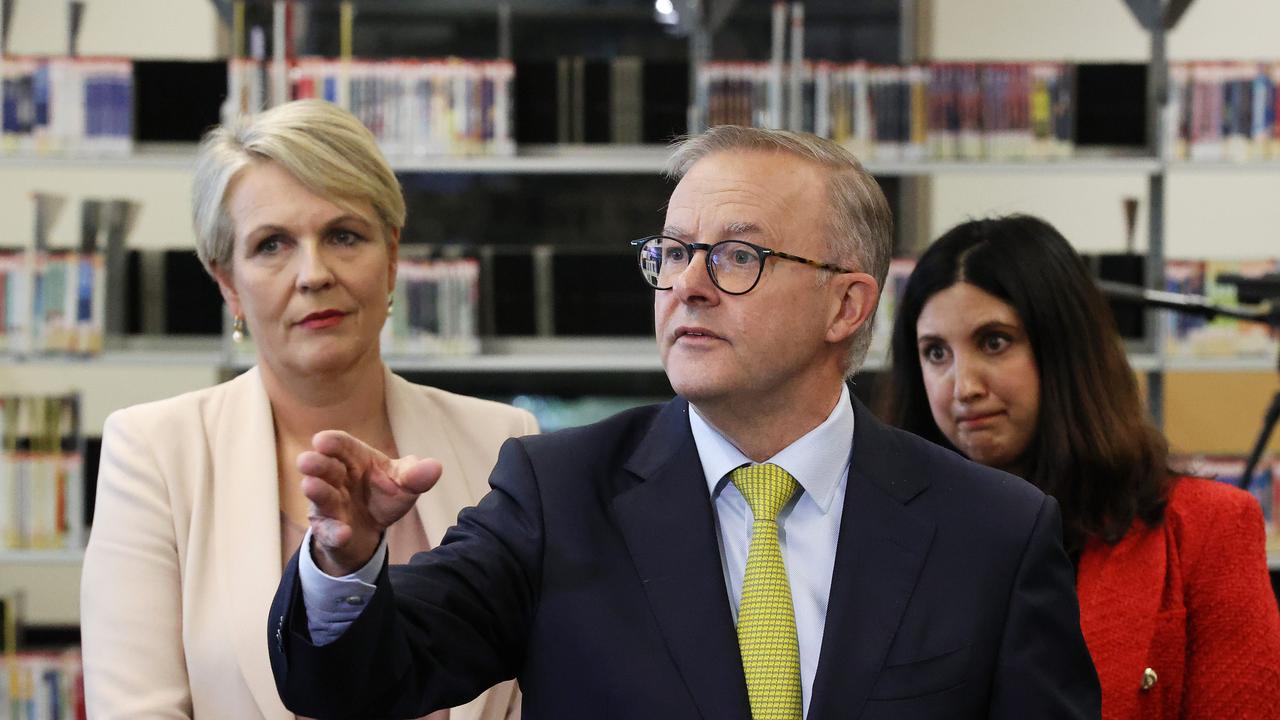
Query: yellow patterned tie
{"points": [[766, 618]]}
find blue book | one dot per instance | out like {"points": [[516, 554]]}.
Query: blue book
{"points": [[40, 95], [25, 96], [1260, 105], [84, 290], [125, 104], [50, 679], [9, 109], [92, 105]]}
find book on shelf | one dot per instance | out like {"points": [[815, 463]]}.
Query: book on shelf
{"points": [[895, 286], [67, 302], [436, 308], [1189, 336], [47, 685], [414, 108], [1223, 112], [74, 106], [41, 473], [55, 300], [11, 613], [889, 113]]}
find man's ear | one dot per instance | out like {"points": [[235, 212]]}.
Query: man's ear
{"points": [[229, 295], [858, 295]]}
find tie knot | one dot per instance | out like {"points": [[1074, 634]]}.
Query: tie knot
{"points": [[766, 488]]}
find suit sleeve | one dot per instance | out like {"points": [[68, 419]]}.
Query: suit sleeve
{"points": [[130, 590], [1233, 626], [436, 632], [1044, 669]]}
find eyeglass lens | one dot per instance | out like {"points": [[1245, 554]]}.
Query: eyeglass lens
{"points": [[735, 266]]}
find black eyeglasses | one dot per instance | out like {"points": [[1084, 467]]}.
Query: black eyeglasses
{"points": [[733, 265]]}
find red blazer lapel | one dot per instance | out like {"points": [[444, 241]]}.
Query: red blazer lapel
{"points": [[1120, 588]]}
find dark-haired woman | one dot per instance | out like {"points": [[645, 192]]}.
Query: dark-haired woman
{"points": [[1004, 350]]}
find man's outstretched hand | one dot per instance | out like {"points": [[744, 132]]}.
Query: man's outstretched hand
{"points": [[356, 493]]}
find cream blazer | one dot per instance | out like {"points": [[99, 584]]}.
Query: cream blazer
{"points": [[184, 555]]}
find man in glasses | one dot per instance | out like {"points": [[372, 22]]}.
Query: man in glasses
{"points": [[760, 546]]}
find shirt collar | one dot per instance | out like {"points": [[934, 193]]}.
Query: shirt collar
{"points": [[818, 460]]}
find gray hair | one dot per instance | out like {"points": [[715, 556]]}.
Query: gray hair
{"points": [[323, 146], [860, 224]]}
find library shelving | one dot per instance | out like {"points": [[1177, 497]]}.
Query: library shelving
{"points": [[638, 159], [514, 354], [532, 357]]}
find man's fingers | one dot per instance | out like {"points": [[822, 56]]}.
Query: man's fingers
{"points": [[326, 499], [355, 454], [417, 476], [324, 467]]}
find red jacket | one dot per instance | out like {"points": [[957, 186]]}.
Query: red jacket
{"points": [[1190, 600]]}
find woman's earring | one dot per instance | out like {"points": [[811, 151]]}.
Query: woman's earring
{"points": [[237, 330], [391, 304]]}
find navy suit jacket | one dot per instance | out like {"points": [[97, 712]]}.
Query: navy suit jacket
{"points": [[591, 572]]}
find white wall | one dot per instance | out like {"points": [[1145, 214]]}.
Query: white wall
{"points": [[165, 194], [1221, 214], [1096, 30], [1087, 209], [1033, 30], [175, 29]]}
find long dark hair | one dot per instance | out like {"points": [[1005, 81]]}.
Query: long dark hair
{"points": [[1094, 449]]}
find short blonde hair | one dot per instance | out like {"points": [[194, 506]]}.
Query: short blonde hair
{"points": [[323, 146], [860, 224]]}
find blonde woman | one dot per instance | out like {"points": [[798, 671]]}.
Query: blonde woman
{"points": [[298, 219]]}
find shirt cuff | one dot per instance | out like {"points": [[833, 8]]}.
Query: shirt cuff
{"points": [[333, 603]]}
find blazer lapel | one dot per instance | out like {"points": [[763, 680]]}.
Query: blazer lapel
{"points": [[668, 525], [1119, 634], [879, 555], [247, 527], [419, 428]]}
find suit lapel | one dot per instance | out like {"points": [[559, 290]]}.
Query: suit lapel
{"points": [[419, 428], [879, 555], [247, 527], [667, 523]]}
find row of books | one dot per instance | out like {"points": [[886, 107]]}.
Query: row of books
{"points": [[42, 686], [1194, 336], [66, 106], [435, 311], [41, 473], [413, 107], [1224, 111], [52, 302], [944, 111]]}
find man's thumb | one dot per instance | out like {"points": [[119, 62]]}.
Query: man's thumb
{"points": [[418, 476]]}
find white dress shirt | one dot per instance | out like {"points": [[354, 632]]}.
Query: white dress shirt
{"points": [[808, 525]]}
